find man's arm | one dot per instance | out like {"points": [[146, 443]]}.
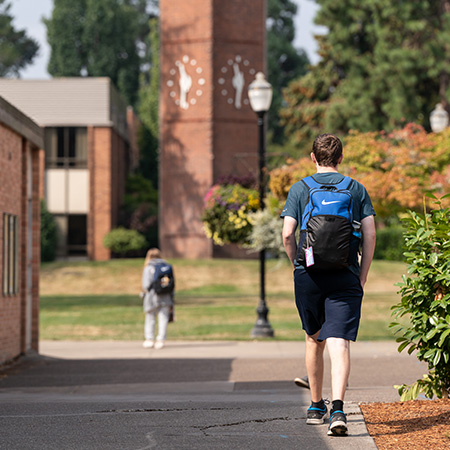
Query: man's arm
{"points": [[290, 245], [368, 246]]}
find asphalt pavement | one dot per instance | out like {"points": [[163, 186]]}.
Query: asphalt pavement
{"points": [[190, 395]]}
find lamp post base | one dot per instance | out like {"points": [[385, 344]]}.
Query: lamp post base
{"points": [[262, 331], [262, 327]]}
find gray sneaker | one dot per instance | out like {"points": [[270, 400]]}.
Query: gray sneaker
{"points": [[316, 416], [302, 382], [338, 424]]}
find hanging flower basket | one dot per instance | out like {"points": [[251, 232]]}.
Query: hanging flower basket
{"points": [[226, 213]]}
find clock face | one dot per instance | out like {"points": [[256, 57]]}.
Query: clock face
{"points": [[186, 82], [235, 76]]}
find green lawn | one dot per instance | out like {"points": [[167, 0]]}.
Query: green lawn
{"points": [[217, 308]]}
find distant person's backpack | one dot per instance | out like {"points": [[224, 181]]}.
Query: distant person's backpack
{"points": [[163, 280], [329, 238]]}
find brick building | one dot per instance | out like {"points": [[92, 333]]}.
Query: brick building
{"points": [[88, 154], [211, 51], [21, 141]]}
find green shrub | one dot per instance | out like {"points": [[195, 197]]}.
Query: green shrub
{"points": [[426, 301], [138, 190], [390, 246], [124, 242], [49, 234], [140, 208]]}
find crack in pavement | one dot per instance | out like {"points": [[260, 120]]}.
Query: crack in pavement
{"points": [[144, 410], [243, 422]]}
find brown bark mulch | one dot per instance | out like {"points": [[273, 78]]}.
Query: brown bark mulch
{"points": [[411, 425]]}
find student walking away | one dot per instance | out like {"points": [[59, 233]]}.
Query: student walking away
{"points": [[331, 262], [158, 285]]}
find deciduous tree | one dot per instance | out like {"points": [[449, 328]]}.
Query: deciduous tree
{"points": [[17, 50], [397, 168], [96, 38]]}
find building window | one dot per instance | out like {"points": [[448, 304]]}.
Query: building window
{"points": [[77, 234], [66, 147], [72, 234], [10, 254]]}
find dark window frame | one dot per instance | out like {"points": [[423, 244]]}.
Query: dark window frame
{"points": [[64, 154], [10, 275]]}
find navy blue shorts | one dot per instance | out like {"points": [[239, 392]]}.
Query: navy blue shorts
{"points": [[329, 301]]}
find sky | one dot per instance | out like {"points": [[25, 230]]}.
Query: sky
{"points": [[28, 15]]}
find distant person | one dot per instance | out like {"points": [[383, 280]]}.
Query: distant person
{"points": [[158, 285], [336, 219]]}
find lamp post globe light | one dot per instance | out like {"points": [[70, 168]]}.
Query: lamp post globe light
{"points": [[439, 119], [260, 96]]}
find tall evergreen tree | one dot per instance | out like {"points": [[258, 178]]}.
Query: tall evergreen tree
{"points": [[382, 63], [284, 62], [17, 50]]}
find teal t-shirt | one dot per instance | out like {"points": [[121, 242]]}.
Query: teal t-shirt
{"points": [[298, 198]]}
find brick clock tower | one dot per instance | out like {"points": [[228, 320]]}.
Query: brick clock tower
{"points": [[211, 51]]}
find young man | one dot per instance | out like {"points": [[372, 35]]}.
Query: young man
{"points": [[328, 300]]}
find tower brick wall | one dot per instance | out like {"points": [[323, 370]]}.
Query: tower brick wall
{"points": [[210, 52]]}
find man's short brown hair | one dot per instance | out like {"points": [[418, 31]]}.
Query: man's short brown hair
{"points": [[327, 149]]}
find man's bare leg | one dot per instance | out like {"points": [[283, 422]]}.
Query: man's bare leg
{"points": [[339, 351], [314, 365]]}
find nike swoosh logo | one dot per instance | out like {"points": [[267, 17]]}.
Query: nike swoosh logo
{"points": [[329, 203]]}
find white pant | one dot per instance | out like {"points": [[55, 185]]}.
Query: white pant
{"points": [[163, 313]]}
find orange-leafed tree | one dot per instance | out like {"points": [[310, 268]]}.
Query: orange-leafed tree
{"points": [[397, 169]]}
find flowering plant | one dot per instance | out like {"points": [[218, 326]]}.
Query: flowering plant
{"points": [[226, 213]]}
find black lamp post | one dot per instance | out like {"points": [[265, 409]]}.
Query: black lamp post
{"points": [[260, 96]]}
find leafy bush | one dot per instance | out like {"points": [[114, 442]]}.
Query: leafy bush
{"points": [[266, 233], [389, 244], [226, 213], [282, 178], [426, 301], [124, 242], [140, 208], [49, 234], [138, 190]]}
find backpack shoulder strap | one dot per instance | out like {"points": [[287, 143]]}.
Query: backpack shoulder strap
{"points": [[310, 182], [345, 183]]}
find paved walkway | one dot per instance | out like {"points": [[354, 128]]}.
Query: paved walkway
{"points": [[190, 395]]}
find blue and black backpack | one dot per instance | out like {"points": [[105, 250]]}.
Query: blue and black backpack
{"points": [[328, 236], [163, 279]]}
